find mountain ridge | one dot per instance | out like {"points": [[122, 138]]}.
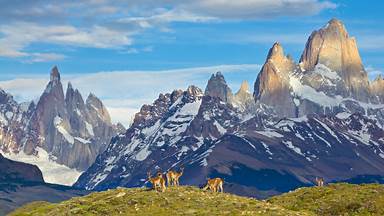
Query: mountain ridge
{"points": [[60, 128], [299, 124]]}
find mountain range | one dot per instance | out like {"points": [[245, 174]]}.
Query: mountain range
{"points": [[318, 117], [60, 131]]}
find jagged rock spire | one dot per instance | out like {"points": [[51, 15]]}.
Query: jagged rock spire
{"points": [[194, 91], [217, 87], [276, 51], [69, 85], [55, 75], [331, 46], [244, 88], [377, 88], [272, 84]]}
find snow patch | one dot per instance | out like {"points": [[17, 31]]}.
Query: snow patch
{"points": [[9, 115], [89, 129], [270, 133], [294, 148], [220, 128], [57, 122], [142, 154], [343, 115], [84, 141], [324, 71]]}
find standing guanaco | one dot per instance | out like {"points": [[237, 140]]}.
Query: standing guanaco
{"points": [[157, 182], [215, 185], [173, 177], [319, 182]]}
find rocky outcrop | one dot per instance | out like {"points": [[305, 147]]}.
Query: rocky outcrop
{"points": [[377, 88], [72, 132], [13, 118], [331, 46], [243, 98], [22, 183], [272, 85], [12, 171], [217, 87]]}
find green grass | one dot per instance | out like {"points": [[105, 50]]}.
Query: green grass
{"points": [[140, 201], [335, 199]]}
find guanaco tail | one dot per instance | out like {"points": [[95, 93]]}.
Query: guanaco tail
{"points": [[215, 185], [158, 182], [173, 177]]}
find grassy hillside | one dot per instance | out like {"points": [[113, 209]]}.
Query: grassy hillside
{"points": [[335, 199], [176, 201]]}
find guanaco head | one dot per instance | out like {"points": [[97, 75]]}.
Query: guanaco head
{"points": [[159, 173], [157, 182]]}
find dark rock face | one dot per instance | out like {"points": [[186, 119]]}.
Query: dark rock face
{"points": [[303, 121], [21, 183], [217, 87], [12, 171], [71, 131]]}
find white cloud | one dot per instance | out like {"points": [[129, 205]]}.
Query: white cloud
{"points": [[114, 24], [45, 57], [124, 92], [167, 16], [133, 50], [268, 38], [371, 41], [258, 9], [17, 36]]}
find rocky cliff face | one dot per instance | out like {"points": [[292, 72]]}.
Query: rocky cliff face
{"points": [[332, 47], [12, 121], [72, 132], [272, 84], [217, 87], [377, 88], [329, 79], [243, 98]]}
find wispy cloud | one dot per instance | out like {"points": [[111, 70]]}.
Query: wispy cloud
{"points": [[371, 42], [268, 38], [124, 92], [17, 36], [114, 24], [44, 57]]}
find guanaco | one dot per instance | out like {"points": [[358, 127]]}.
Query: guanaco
{"points": [[215, 185], [173, 177], [157, 182], [319, 182]]}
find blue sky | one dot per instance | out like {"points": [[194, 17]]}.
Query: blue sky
{"points": [[87, 37]]}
